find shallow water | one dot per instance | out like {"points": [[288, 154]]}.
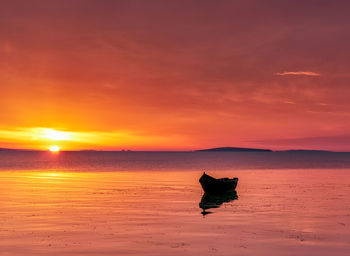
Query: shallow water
{"points": [[284, 212]]}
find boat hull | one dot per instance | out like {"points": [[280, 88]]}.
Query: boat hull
{"points": [[217, 186]]}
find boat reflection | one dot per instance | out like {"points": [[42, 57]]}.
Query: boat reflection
{"points": [[215, 200]]}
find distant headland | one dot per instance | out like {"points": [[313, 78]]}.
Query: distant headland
{"points": [[235, 149]]}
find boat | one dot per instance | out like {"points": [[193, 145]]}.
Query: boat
{"points": [[211, 185]]}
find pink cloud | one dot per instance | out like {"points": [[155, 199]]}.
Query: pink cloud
{"points": [[298, 73]]}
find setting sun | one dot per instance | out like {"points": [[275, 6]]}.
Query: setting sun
{"points": [[54, 149]]}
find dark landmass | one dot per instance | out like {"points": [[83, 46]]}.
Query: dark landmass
{"points": [[17, 149], [234, 149], [9, 149], [306, 151]]}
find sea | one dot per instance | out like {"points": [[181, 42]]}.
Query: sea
{"points": [[151, 203]]}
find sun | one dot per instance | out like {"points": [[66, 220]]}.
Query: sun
{"points": [[54, 149]]}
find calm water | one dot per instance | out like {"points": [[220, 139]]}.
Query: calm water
{"points": [[97, 203], [178, 161]]}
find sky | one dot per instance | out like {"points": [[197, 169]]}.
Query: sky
{"points": [[175, 75]]}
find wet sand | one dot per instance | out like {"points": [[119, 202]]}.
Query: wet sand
{"points": [[279, 212]]}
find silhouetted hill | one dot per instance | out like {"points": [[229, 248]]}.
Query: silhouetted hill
{"points": [[6, 149], [16, 149], [234, 149]]}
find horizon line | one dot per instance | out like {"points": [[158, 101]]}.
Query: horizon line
{"points": [[193, 150]]}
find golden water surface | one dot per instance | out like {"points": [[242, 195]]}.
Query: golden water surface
{"points": [[279, 212]]}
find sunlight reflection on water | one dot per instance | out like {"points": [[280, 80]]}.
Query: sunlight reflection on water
{"points": [[289, 212]]}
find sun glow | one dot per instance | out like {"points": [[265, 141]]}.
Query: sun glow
{"points": [[54, 149], [43, 138], [55, 135]]}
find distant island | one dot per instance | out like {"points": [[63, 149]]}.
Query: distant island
{"points": [[234, 149], [307, 151], [16, 149], [11, 149]]}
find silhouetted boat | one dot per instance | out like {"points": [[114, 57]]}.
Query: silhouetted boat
{"points": [[217, 186], [214, 201]]}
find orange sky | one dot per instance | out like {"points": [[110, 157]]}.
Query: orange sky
{"points": [[175, 75]]}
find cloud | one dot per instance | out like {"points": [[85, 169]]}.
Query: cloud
{"points": [[289, 102], [298, 73]]}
